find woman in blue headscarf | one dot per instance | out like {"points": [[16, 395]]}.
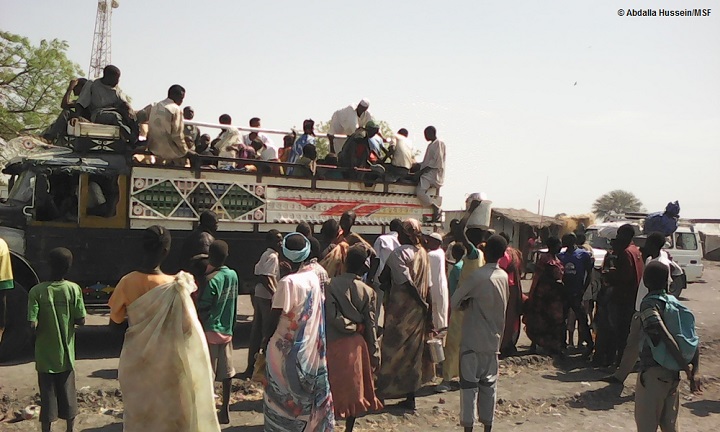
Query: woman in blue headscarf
{"points": [[297, 392]]}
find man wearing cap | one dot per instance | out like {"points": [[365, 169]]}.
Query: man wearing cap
{"points": [[357, 151], [345, 121]]}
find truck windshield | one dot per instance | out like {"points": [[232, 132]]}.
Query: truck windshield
{"points": [[23, 188], [597, 242]]}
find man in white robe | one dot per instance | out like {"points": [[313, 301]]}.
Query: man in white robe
{"points": [[345, 121]]}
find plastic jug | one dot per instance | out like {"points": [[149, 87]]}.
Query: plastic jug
{"points": [[480, 218]]}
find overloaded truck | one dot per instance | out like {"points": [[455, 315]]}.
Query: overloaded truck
{"points": [[53, 202]]}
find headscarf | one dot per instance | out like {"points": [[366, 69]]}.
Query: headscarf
{"points": [[412, 229], [296, 256], [6, 274]]}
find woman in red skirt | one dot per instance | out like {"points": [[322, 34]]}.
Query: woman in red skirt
{"points": [[352, 348]]}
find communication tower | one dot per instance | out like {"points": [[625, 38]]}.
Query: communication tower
{"points": [[101, 52]]}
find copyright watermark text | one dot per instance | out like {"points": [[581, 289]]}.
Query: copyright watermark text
{"points": [[664, 12]]}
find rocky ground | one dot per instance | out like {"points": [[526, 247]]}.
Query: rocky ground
{"points": [[535, 393]]}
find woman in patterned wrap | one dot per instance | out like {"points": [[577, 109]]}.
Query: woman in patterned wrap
{"points": [[297, 393], [406, 364]]}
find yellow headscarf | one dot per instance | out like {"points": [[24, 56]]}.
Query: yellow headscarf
{"points": [[6, 275]]}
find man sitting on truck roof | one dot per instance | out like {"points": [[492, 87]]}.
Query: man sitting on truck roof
{"points": [[166, 138], [226, 143], [356, 152], [59, 127], [266, 140], [103, 102], [192, 132]]}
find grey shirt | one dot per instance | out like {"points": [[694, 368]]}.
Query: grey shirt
{"points": [[95, 95], [486, 290]]}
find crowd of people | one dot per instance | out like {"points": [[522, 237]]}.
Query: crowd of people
{"points": [[341, 326], [627, 320], [357, 148]]}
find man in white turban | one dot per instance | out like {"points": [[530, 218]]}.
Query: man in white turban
{"points": [[345, 121]]}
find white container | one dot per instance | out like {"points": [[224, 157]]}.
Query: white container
{"points": [[480, 218], [437, 354]]}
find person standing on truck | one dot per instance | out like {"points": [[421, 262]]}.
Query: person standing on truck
{"points": [[267, 272], [217, 310], [166, 138], [54, 309], [432, 171], [195, 249], [164, 369], [346, 121]]}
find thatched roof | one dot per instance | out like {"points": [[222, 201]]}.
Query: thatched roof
{"points": [[527, 217]]}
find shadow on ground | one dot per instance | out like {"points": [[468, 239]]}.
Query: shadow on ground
{"points": [[703, 408], [108, 374], [115, 427]]}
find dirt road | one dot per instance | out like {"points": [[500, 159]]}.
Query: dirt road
{"points": [[534, 393]]}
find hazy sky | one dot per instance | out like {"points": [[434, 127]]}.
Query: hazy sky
{"points": [[495, 77]]}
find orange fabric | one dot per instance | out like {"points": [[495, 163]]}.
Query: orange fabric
{"points": [[130, 288], [351, 377]]}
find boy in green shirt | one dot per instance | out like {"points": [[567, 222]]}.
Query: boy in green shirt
{"points": [[217, 310], [54, 309]]}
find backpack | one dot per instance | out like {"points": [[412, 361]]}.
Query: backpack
{"points": [[680, 322]]}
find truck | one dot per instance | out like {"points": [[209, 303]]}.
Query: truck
{"points": [[52, 202]]}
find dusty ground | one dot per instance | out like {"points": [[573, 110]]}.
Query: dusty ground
{"points": [[534, 393]]}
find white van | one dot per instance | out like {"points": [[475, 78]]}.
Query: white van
{"points": [[685, 249]]}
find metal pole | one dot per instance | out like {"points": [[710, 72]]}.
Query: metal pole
{"points": [[251, 129]]}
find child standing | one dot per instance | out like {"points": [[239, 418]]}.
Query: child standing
{"points": [[669, 346], [54, 309], [217, 310]]}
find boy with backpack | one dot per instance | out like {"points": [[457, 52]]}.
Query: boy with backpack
{"points": [[669, 345], [54, 309]]}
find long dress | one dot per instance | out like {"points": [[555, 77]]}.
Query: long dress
{"points": [[406, 363], [511, 263], [353, 351], [164, 370], [543, 317], [297, 394]]}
